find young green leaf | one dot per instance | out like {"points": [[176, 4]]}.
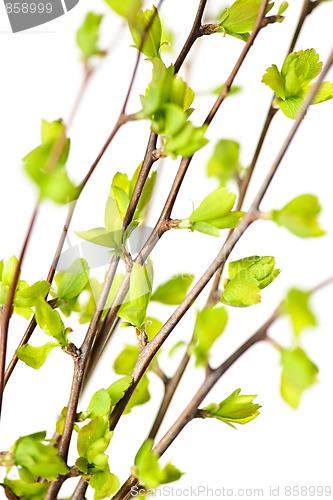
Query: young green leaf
{"points": [[148, 470], [134, 307], [238, 20], [224, 162], [173, 291], [186, 142], [45, 165], [50, 322], [125, 8], [27, 490], [298, 308], [35, 356], [209, 325], [125, 361], [30, 295], [292, 83], [74, 280], [235, 409], [147, 26], [152, 327], [8, 270], [117, 390], [100, 404], [93, 439], [246, 278], [39, 459], [298, 374], [104, 483], [87, 36], [300, 216]]}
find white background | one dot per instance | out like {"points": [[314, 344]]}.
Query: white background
{"points": [[40, 77]]}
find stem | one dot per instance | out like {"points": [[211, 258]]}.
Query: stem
{"points": [[7, 309]]}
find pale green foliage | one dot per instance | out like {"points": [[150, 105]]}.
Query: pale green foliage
{"points": [[298, 374], [37, 458], [214, 213], [292, 83], [298, 308], [147, 26], [173, 291], [148, 470], [125, 8], [46, 164], [166, 103], [209, 325], [300, 216], [235, 409], [224, 162], [239, 19], [87, 36], [112, 235], [33, 356], [25, 296], [134, 307], [246, 278]]}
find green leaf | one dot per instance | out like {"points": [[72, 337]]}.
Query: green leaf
{"points": [[298, 308], [241, 291], [148, 470], [206, 228], [50, 322], [74, 280], [246, 278], [87, 36], [215, 205], [35, 356], [28, 491], [140, 396], [30, 295], [8, 270], [147, 26], [134, 307], [209, 325], [100, 404], [299, 216], [290, 106], [241, 16], [159, 89], [273, 79], [45, 165], [39, 459], [298, 374], [99, 236], [173, 291], [235, 409], [93, 439], [125, 8], [118, 389], [105, 484], [186, 142], [324, 94], [224, 162], [125, 361], [152, 327]]}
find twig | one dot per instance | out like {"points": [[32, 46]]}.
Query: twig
{"points": [[7, 309]]}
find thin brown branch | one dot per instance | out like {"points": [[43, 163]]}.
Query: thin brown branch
{"points": [[7, 309]]}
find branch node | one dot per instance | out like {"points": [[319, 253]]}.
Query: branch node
{"points": [[72, 350], [208, 29]]}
